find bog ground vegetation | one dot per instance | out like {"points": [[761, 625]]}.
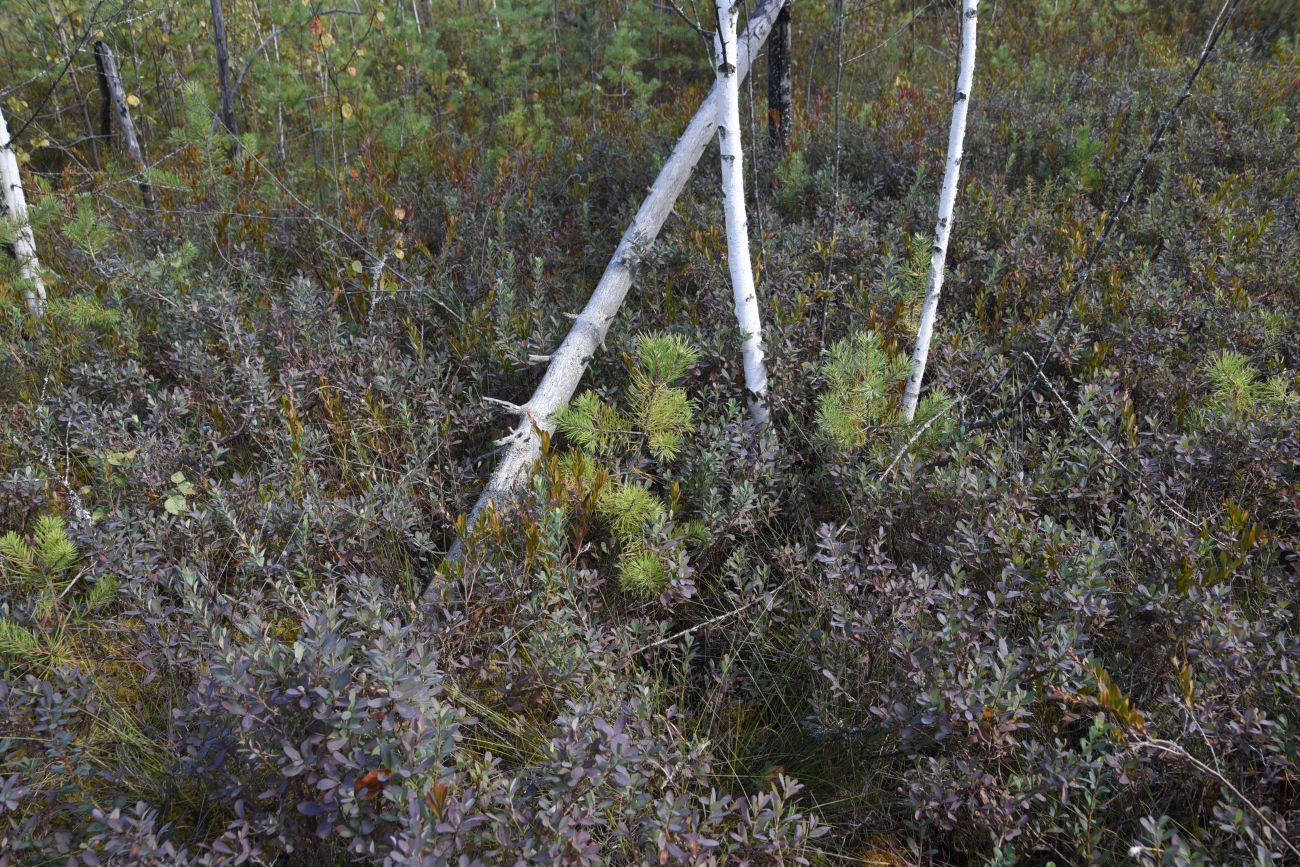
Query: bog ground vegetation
{"points": [[239, 442]]}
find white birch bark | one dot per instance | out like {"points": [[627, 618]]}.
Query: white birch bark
{"points": [[733, 196], [947, 196], [569, 362], [14, 206]]}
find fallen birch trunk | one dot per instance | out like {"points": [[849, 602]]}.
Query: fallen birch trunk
{"points": [[947, 196], [110, 83], [13, 206], [567, 364]]}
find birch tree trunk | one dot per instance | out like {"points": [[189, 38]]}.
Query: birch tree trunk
{"points": [[13, 205], [733, 195], [223, 67], [780, 92], [947, 196], [523, 445], [111, 83]]}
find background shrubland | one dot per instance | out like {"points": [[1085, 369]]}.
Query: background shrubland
{"points": [[233, 453]]}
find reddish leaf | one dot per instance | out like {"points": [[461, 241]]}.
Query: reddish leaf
{"points": [[372, 784]]}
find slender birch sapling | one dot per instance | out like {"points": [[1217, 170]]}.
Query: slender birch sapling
{"points": [[733, 196], [13, 207], [947, 196]]}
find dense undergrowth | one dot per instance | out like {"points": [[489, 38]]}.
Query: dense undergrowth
{"points": [[234, 452]]}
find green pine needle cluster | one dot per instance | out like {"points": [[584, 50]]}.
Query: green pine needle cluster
{"points": [[906, 284], [50, 553], [658, 414], [628, 507], [655, 419], [864, 383], [863, 399], [39, 573], [1235, 386]]}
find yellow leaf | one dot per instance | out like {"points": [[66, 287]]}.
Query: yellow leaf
{"points": [[327, 39], [346, 109], [133, 100]]}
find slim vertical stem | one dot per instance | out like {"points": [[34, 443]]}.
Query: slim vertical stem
{"points": [[780, 91], [733, 193], [223, 67], [947, 197], [111, 80]]}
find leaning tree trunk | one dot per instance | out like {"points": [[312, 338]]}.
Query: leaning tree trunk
{"points": [[780, 93], [567, 365], [733, 195], [223, 67], [947, 196], [13, 206], [110, 82]]}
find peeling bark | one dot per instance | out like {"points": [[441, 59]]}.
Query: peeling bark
{"points": [[223, 67]]}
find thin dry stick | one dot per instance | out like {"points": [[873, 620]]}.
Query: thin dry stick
{"points": [[707, 623], [1170, 748], [915, 436], [1176, 510], [115, 93], [1112, 219]]}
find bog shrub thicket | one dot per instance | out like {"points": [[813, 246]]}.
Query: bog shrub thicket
{"points": [[235, 451]]}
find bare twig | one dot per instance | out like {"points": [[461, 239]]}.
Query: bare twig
{"points": [[915, 436], [726, 615], [1176, 510], [1112, 219], [694, 25], [1169, 748]]}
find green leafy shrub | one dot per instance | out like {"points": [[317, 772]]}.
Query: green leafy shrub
{"points": [[962, 660]]}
